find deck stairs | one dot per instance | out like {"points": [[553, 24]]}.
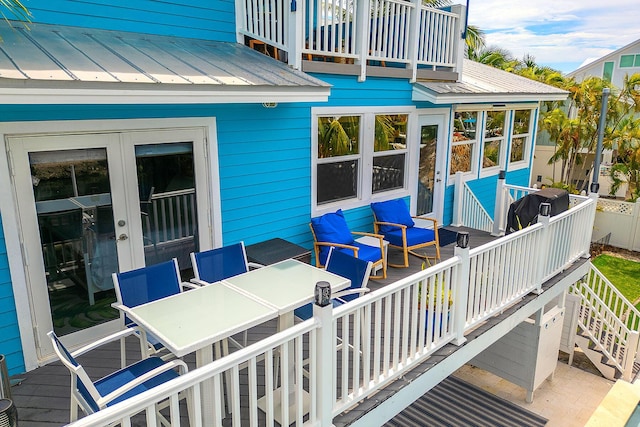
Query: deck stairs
{"points": [[607, 327]]}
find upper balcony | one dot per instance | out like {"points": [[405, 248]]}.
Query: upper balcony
{"points": [[385, 38]]}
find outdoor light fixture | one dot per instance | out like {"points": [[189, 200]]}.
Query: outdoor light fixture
{"points": [[269, 104], [8, 413], [462, 239], [322, 295], [545, 209]]}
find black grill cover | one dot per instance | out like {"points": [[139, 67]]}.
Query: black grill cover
{"points": [[524, 212]]}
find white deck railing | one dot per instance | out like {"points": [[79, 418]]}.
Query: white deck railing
{"points": [[467, 209], [399, 31], [374, 339]]}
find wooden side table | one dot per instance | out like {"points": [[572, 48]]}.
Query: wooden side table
{"points": [[276, 250]]}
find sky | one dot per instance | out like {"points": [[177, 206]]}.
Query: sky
{"points": [[561, 34]]}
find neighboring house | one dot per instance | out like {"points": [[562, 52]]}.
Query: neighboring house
{"points": [[133, 135], [612, 67]]}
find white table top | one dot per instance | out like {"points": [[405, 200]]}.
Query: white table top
{"points": [[193, 319], [286, 285]]}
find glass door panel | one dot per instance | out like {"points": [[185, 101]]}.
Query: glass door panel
{"points": [[167, 194], [72, 196], [427, 169]]}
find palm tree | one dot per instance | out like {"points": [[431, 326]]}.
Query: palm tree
{"points": [[16, 8]]}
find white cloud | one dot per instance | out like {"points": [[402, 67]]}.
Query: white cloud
{"points": [[557, 31]]}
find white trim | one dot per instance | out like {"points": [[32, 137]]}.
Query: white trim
{"points": [[500, 98], [123, 96], [496, 107], [9, 206]]}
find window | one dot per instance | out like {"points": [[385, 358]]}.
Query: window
{"points": [[463, 142], [626, 61], [338, 158], [520, 135], [607, 71], [359, 155], [390, 149], [493, 139]]}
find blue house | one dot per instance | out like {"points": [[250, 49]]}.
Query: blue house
{"points": [[140, 133]]}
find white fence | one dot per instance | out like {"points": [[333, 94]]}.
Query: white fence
{"points": [[372, 340], [617, 223], [467, 209]]}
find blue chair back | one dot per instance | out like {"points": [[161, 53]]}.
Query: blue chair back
{"points": [[146, 284], [83, 383], [350, 267], [220, 263]]}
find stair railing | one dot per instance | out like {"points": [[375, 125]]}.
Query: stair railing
{"points": [[600, 317]]}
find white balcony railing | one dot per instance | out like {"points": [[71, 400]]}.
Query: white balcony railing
{"points": [[403, 32], [374, 339]]}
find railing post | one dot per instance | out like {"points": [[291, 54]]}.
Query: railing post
{"points": [[414, 38], [363, 21], [461, 45], [458, 205], [241, 16], [544, 214], [462, 287], [499, 213], [630, 355], [324, 357], [295, 34]]}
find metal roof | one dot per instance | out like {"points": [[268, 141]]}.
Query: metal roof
{"points": [[482, 83], [71, 62]]}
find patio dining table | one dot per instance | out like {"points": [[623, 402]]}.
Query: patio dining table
{"points": [[194, 320]]}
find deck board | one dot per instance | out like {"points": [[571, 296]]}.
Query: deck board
{"points": [[42, 398]]}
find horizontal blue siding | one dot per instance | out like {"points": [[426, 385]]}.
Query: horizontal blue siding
{"points": [[10, 345], [210, 20]]}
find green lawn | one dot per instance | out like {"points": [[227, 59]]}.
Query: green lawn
{"points": [[624, 274]]}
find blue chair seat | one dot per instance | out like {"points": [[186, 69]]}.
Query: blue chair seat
{"points": [[365, 252], [124, 376], [415, 236]]}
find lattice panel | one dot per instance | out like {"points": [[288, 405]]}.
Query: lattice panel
{"points": [[624, 208]]}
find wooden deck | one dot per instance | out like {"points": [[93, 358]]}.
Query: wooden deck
{"points": [[42, 398]]}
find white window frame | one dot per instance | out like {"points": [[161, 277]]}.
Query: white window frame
{"points": [[475, 151], [493, 170], [366, 155], [528, 143]]}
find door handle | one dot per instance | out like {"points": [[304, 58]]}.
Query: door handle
{"points": [[123, 237]]}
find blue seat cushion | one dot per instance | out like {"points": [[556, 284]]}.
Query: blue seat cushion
{"points": [[305, 312], [415, 236], [365, 252], [119, 378], [331, 228], [395, 211]]}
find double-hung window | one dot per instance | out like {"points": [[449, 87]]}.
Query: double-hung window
{"points": [[464, 141], [493, 139], [358, 156], [520, 136], [339, 158]]}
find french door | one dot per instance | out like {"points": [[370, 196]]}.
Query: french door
{"points": [[429, 192], [93, 204]]}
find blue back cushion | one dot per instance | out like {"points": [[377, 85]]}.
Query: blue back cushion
{"points": [[352, 268], [332, 228], [221, 263], [395, 211], [148, 284]]}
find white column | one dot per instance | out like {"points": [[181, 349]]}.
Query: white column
{"points": [[544, 213], [325, 355], [461, 293], [500, 211], [295, 36], [458, 205]]}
